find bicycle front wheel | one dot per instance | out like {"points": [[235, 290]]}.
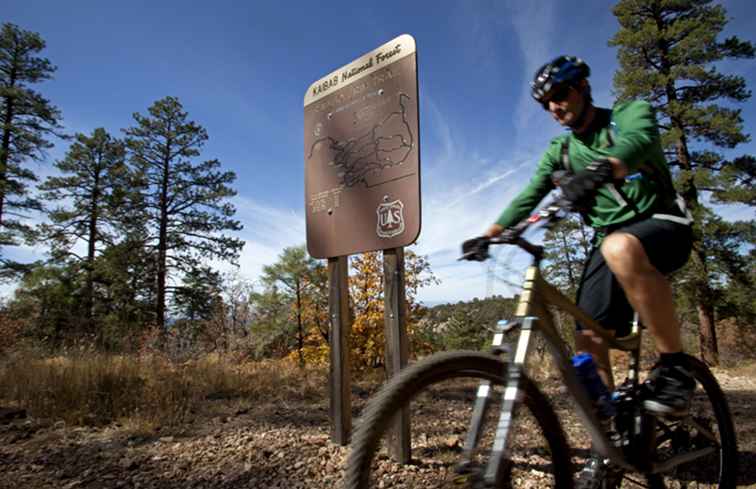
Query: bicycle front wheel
{"points": [[438, 393]]}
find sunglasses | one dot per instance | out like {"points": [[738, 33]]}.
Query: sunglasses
{"points": [[557, 95]]}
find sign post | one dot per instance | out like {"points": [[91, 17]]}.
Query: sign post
{"points": [[362, 193], [339, 374], [397, 345]]}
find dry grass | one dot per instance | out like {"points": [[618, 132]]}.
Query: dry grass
{"points": [[146, 391], [746, 368]]}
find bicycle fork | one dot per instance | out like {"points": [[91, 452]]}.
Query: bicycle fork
{"points": [[498, 459], [496, 463]]}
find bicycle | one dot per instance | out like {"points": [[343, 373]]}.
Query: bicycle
{"points": [[700, 447]]}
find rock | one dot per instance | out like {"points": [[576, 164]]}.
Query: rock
{"points": [[9, 414], [128, 463]]}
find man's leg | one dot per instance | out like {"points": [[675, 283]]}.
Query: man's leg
{"points": [[647, 289], [650, 294], [602, 298], [588, 342]]}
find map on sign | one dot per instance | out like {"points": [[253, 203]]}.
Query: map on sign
{"points": [[357, 158], [362, 155]]}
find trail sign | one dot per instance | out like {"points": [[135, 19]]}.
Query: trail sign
{"points": [[362, 154]]}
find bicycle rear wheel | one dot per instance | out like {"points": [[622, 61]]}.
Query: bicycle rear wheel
{"points": [[708, 426], [439, 393]]}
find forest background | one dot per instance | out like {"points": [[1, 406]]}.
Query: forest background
{"points": [[129, 310]]}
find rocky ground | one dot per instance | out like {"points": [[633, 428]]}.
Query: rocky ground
{"points": [[281, 445]]}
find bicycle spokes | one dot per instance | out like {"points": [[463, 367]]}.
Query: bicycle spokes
{"points": [[689, 450]]}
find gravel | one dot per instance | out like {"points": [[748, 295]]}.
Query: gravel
{"points": [[281, 445]]}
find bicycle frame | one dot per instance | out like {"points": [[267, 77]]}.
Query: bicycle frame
{"points": [[532, 315]]}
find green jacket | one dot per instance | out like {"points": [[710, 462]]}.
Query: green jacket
{"points": [[628, 132]]}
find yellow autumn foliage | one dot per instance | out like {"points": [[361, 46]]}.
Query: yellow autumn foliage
{"points": [[367, 341]]}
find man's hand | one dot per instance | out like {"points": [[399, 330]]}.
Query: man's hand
{"points": [[475, 249], [581, 188], [509, 235]]}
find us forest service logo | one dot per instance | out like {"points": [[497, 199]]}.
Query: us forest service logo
{"points": [[390, 219]]}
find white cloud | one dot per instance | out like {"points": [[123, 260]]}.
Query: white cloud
{"points": [[533, 23], [481, 186], [268, 229], [270, 224], [455, 213], [443, 131]]}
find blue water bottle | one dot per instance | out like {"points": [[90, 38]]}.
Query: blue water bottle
{"points": [[586, 371]]}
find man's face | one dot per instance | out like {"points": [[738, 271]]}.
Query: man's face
{"points": [[565, 104]]}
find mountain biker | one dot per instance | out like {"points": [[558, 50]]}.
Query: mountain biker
{"points": [[617, 177]]}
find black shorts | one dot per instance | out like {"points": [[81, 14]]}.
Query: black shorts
{"points": [[667, 244]]}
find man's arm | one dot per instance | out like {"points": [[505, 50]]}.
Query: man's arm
{"points": [[531, 195], [637, 132], [619, 169], [493, 230]]}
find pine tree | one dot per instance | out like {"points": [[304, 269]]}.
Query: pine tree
{"points": [[198, 296], [567, 247], [271, 327], [667, 55], [185, 203], [126, 269], [93, 176], [126, 296], [295, 276], [27, 121], [46, 298]]}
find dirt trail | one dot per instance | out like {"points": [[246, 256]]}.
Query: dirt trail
{"points": [[285, 445]]}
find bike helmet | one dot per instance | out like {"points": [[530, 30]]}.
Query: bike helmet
{"points": [[564, 70]]}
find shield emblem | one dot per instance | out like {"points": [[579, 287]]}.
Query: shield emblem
{"points": [[390, 219]]}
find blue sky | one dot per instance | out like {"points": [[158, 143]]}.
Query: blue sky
{"points": [[241, 69]]}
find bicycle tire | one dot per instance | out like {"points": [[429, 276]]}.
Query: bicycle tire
{"points": [[376, 419], [728, 451]]}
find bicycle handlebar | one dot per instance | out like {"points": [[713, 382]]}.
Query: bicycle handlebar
{"points": [[548, 214]]}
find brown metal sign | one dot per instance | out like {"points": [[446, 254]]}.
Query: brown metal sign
{"points": [[362, 154]]}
